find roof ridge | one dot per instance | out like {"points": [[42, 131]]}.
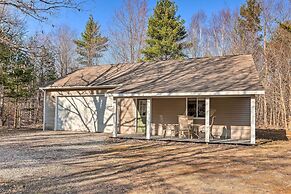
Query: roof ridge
{"points": [[169, 60]]}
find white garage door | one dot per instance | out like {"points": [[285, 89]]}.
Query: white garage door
{"points": [[84, 113]]}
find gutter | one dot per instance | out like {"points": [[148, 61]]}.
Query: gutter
{"points": [[188, 94]]}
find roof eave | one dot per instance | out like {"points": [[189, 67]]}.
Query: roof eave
{"points": [[177, 94]]}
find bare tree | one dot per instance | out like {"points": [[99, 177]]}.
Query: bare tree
{"points": [[39, 9], [196, 35], [128, 31], [275, 70], [224, 34], [220, 28], [65, 49], [11, 27], [11, 10]]}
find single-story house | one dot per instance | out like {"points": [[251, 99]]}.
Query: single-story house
{"points": [[146, 99]]}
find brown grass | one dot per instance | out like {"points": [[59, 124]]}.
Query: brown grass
{"points": [[67, 162]]}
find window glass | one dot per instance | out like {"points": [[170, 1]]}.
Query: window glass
{"points": [[196, 108], [201, 108], [192, 107]]}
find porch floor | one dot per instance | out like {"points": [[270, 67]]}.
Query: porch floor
{"points": [[177, 139]]}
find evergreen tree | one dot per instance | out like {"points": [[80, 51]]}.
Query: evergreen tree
{"points": [[286, 26], [249, 26], [91, 45], [165, 33], [47, 68], [17, 75], [43, 58]]}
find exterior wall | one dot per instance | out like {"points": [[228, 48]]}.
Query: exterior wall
{"points": [[50, 105], [165, 113], [232, 114], [232, 117], [127, 115]]}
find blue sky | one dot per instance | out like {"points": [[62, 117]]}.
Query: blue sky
{"points": [[102, 11]]}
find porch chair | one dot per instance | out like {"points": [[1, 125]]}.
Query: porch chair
{"points": [[165, 128], [185, 125]]}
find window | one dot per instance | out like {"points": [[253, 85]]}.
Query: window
{"points": [[196, 107]]}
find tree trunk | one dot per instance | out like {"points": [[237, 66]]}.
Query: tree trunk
{"points": [[284, 112], [31, 109], [19, 116], [1, 107], [265, 111], [15, 113], [38, 105]]}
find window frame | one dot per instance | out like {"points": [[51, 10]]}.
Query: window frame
{"points": [[196, 107]]}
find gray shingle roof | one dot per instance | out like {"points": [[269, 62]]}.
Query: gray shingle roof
{"points": [[228, 73]]}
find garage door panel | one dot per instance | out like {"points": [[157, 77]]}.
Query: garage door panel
{"points": [[87, 113]]}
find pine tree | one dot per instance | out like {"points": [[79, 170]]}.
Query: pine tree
{"points": [[286, 26], [47, 69], [17, 77], [249, 26], [92, 44], [165, 33]]}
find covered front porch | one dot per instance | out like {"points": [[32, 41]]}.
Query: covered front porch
{"points": [[197, 118]]}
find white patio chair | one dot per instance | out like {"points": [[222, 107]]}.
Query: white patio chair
{"points": [[185, 126], [165, 127]]}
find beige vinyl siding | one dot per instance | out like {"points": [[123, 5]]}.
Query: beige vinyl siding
{"points": [[165, 113], [127, 116], [232, 117]]}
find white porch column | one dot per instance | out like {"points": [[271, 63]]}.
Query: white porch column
{"points": [[115, 117], [253, 120], [149, 118], [207, 117]]}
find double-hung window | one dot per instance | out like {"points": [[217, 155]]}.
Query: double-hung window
{"points": [[196, 107]]}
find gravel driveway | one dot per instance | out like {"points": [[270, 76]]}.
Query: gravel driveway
{"points": [[67, 162]]}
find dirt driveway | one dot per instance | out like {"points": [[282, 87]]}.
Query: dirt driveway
{"points": [[67, 162]]}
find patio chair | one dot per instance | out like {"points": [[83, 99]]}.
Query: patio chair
{"points": [[185, 126], [165, 128]]}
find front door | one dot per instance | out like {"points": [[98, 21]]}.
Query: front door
{"points": [[141, 115]]}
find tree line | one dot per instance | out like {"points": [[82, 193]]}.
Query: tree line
{"points": [[258, 27]]}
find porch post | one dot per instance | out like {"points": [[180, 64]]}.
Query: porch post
{"points": [[115, 125], [253, 120], [149, 118], [207, 117]]}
